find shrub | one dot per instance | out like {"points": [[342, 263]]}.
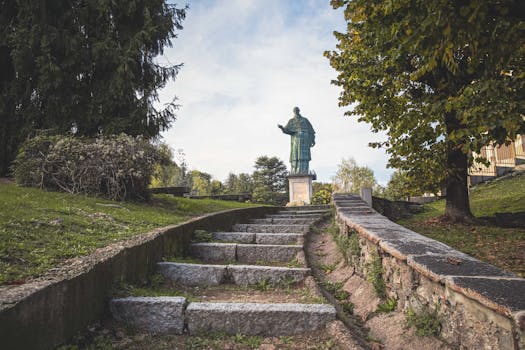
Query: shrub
{"points": [[427, 322], [322, 197], [114, 167]]}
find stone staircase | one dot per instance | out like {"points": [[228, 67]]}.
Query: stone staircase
{"points": [[252, 280]]}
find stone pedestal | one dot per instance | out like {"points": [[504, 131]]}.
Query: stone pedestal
{"points": [[300, 189]]}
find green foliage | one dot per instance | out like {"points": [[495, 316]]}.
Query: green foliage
{"points": [[169, 173], [39, 229], [270, 181], [242, 183], [440, 78], [375, 275], [116, 167], [202, 236], [263, 285], [350, 177], [253, 342], [427, 322], [322, 193], [87, 67], [348, 307], [200, 183], [348, 245], [387, 306], [401, 186]]}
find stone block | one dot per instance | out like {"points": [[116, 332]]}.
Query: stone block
{"points": [[250, 274], [151, 314], [505, 295], [193, 274], [285, 221], [437, 267], [277, 238], [251, 253], [234, 237], [213, 252], [271, 228], [257, 319]]}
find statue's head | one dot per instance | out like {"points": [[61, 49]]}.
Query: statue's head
{"points": [[296, 111]]}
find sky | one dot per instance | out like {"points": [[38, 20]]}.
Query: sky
{"points": [[247, 63]]}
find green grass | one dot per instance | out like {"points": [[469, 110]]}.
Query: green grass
{"points": [[40, 229], [499, 246]]}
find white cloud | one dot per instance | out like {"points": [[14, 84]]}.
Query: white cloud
{"points": [[246, 65]]}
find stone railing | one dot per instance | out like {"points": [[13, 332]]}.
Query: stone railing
{"points": [[49, 310], [479, 306]]}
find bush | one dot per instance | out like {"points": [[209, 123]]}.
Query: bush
{"points": [[322, 197], [115, 167]]}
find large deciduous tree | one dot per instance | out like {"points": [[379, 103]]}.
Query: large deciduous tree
{"points": [[350, 177], [442, 78], [86, 67]]}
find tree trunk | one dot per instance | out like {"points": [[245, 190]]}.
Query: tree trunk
{"points": [[457, 208]]}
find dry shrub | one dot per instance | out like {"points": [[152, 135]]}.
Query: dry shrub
{"points": [[114, 167]]}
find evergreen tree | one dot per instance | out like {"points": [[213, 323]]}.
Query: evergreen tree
{"points": [[270, 181], [86, 67]]}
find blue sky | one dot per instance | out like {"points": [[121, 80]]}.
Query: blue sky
{"points": [[247, 63]]}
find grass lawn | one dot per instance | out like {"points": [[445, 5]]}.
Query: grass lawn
{"points": [[40, 229], [503, 247]]}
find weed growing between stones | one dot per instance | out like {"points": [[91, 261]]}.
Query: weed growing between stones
{"points": [[202, 236], [375, 275], [287, 283], [387, 306], [427, 322], [263, 285], [327, 268], [348, 307]]}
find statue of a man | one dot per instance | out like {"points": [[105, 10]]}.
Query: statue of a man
{"points": [[303, 137]]}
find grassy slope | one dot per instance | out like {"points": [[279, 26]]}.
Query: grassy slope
{"points": [[39, 229], [503, 247]]}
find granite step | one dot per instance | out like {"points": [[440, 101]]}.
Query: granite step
{"points": [[271, 228], [170, 314], [294, 216], [258, 237], [285, 221], [257, 318], [309, 207], [244, 253], [299, 212], [210, 275]]}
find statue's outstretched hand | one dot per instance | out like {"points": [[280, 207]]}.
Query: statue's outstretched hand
{"points": [[279, 126]]}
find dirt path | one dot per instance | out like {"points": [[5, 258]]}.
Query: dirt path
{"points": [[374, 330]]}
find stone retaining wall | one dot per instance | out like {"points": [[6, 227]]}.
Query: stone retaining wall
{"points": [[479, 306], [49, 310]]}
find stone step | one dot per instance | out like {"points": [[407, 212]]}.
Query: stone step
{"points": [[151, 314], [244, 253], [257, 319], [258, 238], [211, 275], [294, 216], [303, 212], [271, 228], [169, 314], [309, 207], [285, 221]]}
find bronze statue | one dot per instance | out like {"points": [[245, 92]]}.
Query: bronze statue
{"points": [[303, 137]]}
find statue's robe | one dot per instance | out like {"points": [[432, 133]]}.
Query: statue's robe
{"points": [[303, 137]]}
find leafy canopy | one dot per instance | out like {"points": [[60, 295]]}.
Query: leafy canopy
{"points": [[437, 76]]}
